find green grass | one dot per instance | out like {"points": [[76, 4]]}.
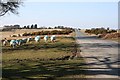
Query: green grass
{"points": [[33, 50], [39, 60]]}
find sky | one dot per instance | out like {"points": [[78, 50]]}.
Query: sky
{"points": [[73, 14]]}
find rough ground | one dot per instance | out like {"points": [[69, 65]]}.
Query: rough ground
{"points": [[100, 55]]}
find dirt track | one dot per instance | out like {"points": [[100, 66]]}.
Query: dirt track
{"points": [[100, 55]]}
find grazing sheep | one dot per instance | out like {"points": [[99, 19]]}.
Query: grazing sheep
{"points": [[17, 42], [5, 42], [13, 43], [20, 42], [24, 40], [29, 39], [45, 38], [37, 38], [53, 38]]}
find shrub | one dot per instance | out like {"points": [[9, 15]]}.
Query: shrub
{"points": [[46, 32], [96, 31], [112, 31], [54, 32], [26, 34], [14, 35]]}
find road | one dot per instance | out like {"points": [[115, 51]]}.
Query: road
{"points": [[101, 56]]}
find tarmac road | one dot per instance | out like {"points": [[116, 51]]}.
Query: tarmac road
{"points": [[100, 55]]}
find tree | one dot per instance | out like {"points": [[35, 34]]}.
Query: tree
{"points": [[35, 26], [55, 27], [49, 28], [32, 26], [28, 27], [24, 27], [9, 6]]}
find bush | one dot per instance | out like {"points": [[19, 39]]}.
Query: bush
{"points": [[26, 34], [112, 31], [54, 32], [14, 35], [36, 33], [46, 33], [96, 31], [87, 31]]}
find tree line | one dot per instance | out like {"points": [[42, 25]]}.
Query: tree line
{"points": [[30, 27]]}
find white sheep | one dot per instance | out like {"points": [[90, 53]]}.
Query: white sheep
{"points": [[5, 42], [13, 43], [17, 42], [45, 38], [29, 39], [20, 42], [24, 40], [53, 38], [37, 38]]}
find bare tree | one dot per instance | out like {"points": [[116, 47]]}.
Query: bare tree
{"points": [[7, 6]]}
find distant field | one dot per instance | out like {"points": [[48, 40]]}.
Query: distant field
{"points": [[42, 60]]}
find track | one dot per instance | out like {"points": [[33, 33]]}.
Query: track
{"points": [[101, 56]]}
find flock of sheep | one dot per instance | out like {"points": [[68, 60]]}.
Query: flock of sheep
{"points": [[19, 42]]}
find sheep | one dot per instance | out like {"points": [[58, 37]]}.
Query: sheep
{"points": [[53, 38], [29, 39], [17, 42], [5, 42], [20, 42], [45, 38], [13, 43], [24, 40], [37, 38]]}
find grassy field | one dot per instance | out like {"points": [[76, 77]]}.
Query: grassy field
{"points": [[42, 61]]}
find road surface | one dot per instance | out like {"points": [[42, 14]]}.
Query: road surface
{"points": [[101, 56]]}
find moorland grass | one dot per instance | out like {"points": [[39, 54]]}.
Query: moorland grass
{"points": [[40, 61]]}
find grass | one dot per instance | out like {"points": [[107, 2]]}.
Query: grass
{"points": [[61, 47], [40, 61]]}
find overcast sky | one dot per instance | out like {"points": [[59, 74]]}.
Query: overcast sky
{"points": [[73, 14]]}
